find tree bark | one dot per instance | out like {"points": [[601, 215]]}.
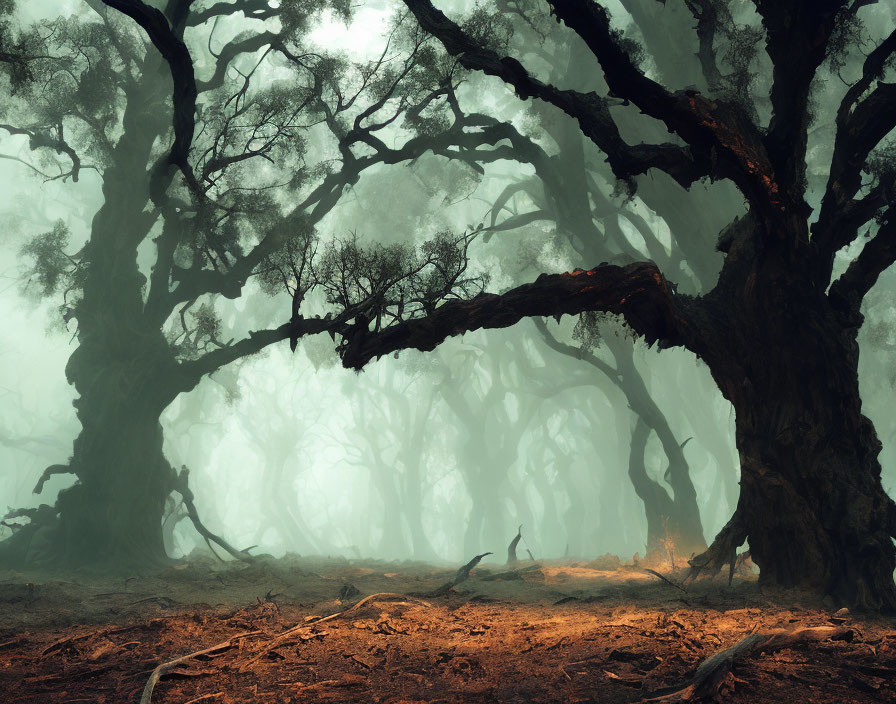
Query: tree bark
{"points": [[811, 504], [123, 370]]}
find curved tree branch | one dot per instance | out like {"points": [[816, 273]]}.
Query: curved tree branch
{"points": [[41, 140], [591, 110], [175, 52], [637, 291], [876, 256]]}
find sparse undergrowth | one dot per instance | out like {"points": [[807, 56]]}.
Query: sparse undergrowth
{"points": [[553, 632]]}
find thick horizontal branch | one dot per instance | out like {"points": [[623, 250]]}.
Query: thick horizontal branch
{"points": [[637, 291], [191, 372]]}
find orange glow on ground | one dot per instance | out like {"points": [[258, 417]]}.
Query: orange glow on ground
{"points": [[560, 631]]}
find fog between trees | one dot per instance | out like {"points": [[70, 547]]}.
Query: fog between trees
{"points": [[437, 455]]}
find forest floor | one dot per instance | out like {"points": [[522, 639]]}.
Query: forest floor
{"points": [[558, 631]]}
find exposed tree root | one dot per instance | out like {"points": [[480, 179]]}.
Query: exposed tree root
{"points": [[463, 574], [511, 549], [713, 671], [723, 550], [181, 486]]}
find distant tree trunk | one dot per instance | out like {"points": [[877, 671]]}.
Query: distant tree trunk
{"points": [[413, 491], [659, 508], [392, 541], [283, 501], [473, 529], [676, 517]]}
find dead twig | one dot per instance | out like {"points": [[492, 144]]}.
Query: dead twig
{"points": [[280, 639], [205, 697], [665, 579], [713, 671], [166, 667]]}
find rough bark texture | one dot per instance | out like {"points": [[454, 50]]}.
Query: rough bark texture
{"points": [[812, 504], [123, 370], [778, 335]]}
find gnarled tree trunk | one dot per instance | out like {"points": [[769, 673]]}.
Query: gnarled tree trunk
{"points": [[811, 504]]}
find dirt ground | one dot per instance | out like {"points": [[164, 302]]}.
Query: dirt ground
{"points": [[558, 631]]}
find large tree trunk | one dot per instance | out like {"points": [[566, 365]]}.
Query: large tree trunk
{"points": [[112, 517], [812, 504], [124, 372], [123, 369]]}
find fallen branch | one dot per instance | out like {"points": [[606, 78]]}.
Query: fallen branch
{"points": [[713, 671], [280, 639], [665, 579], [463, 574], [166, 667], [510, 574], [182, 487]]}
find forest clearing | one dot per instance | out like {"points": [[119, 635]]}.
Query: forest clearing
{"points": [[379, 283], [545, 632]]}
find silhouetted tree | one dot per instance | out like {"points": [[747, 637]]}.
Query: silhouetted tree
{"points": [[778, 329], [215, 178]]}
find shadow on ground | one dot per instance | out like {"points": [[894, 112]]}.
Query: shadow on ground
{"points": [[556, 631]]}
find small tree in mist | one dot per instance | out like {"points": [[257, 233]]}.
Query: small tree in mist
{"points": [[778, 329]]}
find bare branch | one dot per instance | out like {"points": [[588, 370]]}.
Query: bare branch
{"points": [[861, 125], [876, 256], [42, 140], [721, 134], [591, 110]]}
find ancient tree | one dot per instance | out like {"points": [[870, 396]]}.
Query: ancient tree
{"points": [[221, 177], [778, 329]]}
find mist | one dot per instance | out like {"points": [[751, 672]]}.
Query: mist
{"points": [[364, 292], [293, 454]]}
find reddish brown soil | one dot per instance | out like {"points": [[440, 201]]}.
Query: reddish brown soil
{"points": [[615, 636]]}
